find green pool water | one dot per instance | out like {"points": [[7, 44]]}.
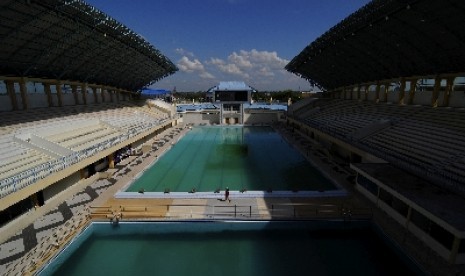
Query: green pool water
{"points": [[230, 248], [250, 158]]}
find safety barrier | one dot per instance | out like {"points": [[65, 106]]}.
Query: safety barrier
{"points": [[292, 211]]}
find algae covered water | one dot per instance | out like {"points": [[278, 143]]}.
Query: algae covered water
{"points": [[241, 158]]}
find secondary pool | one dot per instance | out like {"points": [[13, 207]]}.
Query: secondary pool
{"points": [[212, 158], [230, 248]]}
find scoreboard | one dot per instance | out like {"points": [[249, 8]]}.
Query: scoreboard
{"points": [[231, 96]]}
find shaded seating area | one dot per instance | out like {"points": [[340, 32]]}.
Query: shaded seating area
{"points": [[421, 139]]}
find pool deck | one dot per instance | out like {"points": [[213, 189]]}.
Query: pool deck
{"points": [[98, 202]]}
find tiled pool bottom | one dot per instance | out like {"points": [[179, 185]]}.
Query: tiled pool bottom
{"points": [[230, 248]]}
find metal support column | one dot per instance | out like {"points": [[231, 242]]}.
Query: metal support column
{"points": [[48, 92], [449, 86], [94, 91], [378, 88], [386, 89], [402, 91], [23, 91], [10, 88], [102, 93], [75, 95], [411, 93], [59, 94], [435, 95], [84, 92], [111, 161]]}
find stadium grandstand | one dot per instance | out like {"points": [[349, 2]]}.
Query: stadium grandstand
{"points": [[70, 77], [388, 130], [393, 106]]}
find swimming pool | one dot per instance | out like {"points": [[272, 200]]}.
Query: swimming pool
{"points": [[241, 158], [181, 108], [230, 248]]}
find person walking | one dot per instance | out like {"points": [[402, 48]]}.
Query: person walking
{"points": [[226, 195]]}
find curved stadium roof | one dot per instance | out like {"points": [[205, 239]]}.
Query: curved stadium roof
{"points": [[387, 39], [71, 40]]}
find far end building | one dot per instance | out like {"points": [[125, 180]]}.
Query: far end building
{"points": [[231, 96]]}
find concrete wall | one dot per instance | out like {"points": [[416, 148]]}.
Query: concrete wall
{"points": [[19, 99], [423, 98], [393, 96], [200, 118], [5, 103], [231, 119], [37, 100], [90, 97], [61, 185], [457, 99], [427, 239], [419, 233], [68, 99], [261, 118], [340, 151]]}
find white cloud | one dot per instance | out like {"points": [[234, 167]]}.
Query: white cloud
{"points": [[231, 68], [216, 61], [193, 66], [251, 64], [189, 66], [183, 52], [265, 58], [206, 75], [263, 70], [240, 60]]}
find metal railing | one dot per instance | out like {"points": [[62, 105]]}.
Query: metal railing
{"points": [[291, 211]]}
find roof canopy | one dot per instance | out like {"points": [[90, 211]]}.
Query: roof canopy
{"points": [[387, 39], [231, 86], [70, 40]]}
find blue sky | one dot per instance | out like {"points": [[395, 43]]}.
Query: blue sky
{"points": [[225, 40]]}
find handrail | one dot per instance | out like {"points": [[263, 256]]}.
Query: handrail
{"points": [[276, 211]]}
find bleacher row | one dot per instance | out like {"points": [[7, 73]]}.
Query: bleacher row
{"points": [[162, 105], [429, 141], [33, 147]]}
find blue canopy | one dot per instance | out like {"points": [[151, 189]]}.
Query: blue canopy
{"points": [[149, 91]]}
